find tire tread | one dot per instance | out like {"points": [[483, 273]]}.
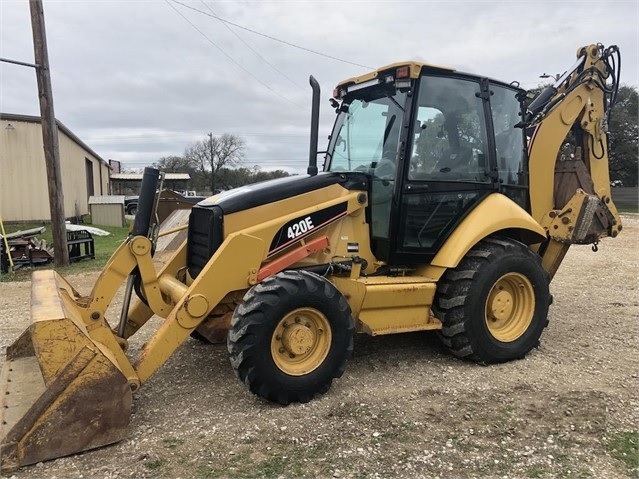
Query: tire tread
{"points": [[453, 294], [247, 330]]}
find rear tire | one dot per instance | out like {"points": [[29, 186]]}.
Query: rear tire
{"points": [[291, 336], [494, 304]]}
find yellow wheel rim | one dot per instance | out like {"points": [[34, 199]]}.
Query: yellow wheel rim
{"points": [[510, 307], [301, 341]]}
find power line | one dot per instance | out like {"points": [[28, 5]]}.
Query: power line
{"points": [[253, 50], [272, 38], [174, 136], [230, 57], [301, 163]]}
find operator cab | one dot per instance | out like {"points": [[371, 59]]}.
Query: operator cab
{"points": [[434, 143]]}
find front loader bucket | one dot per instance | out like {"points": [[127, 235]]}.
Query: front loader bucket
{"points": [[59, 391]]}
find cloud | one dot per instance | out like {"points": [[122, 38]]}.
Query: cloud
{"points": [[136, 81]]}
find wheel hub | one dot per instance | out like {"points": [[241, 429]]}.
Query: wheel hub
{"points": [[502, 306], [510, 307], [301, 341], [298, 339]]}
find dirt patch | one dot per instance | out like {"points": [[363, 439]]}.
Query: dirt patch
{"points": [[404, 407]]}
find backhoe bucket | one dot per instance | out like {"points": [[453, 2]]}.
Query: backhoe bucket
{"points": [[59, 391]]}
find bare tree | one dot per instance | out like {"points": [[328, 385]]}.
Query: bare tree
{"points": [[210, 156]]}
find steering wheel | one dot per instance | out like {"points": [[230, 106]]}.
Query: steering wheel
{"points": [[383, 181], [362, 169], [384, 169]]}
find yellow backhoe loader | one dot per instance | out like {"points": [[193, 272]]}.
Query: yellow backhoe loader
{"points": [[446, 202]]}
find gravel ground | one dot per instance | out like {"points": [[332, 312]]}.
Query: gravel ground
{"points": [[404, 407]]}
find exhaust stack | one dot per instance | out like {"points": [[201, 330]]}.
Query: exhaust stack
{"points": [[312, 159]]}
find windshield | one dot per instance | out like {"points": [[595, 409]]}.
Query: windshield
{"points": [[366, 132]]}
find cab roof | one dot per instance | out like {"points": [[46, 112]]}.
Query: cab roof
{"points": [[414, 69]]}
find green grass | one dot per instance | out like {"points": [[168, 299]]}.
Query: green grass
{"points": [[172, 442], [535, 471], [104, 248], [272, 467], [154, 464], [624, 447]]}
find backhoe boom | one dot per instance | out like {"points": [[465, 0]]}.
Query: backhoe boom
{"points": [[568, 156]]}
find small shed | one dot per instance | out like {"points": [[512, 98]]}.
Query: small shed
{"points": [[107, 210]]}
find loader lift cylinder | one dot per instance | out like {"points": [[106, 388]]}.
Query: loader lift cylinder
{"points": [[146, 202], [147, 205]]}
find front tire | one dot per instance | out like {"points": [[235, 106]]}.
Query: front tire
{"points": [[291, 336], [494, 304]]}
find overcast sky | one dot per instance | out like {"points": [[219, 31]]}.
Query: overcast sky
{"points": [[139, 80]]}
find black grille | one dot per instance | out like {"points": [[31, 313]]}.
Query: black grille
{"points": [[205, 237]]}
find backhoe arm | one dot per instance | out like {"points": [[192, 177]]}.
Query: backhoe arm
{"points": [[568, 155]]}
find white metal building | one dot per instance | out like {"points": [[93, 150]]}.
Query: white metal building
{"points": [[23, 181]]}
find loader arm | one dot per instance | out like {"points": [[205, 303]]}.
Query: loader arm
{"points": [[570, 192], [241, 253]]}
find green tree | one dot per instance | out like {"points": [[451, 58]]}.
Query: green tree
{"points": [[232, 178], [259, 175], [623, 130], [174, 164], [180, 164]]}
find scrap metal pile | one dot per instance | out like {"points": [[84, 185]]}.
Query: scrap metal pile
{"points": [[26, 249]]}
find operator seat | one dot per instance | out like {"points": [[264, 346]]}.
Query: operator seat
{"points": [[454, 163]]}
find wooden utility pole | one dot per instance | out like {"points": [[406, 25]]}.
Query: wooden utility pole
{"points": [[212, 163], [49, 134]]}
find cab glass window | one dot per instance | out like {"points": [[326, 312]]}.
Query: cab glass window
{"points": [[367, 132], [508, 139], [449, 134], [366, 138]]}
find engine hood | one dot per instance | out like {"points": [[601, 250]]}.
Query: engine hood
{"points": [[265, 192]]}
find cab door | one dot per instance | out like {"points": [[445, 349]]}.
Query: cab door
{"points": [[448, 164]]}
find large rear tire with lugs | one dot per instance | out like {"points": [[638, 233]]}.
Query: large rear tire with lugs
{"points": [[494, 304], [291, 336]]}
